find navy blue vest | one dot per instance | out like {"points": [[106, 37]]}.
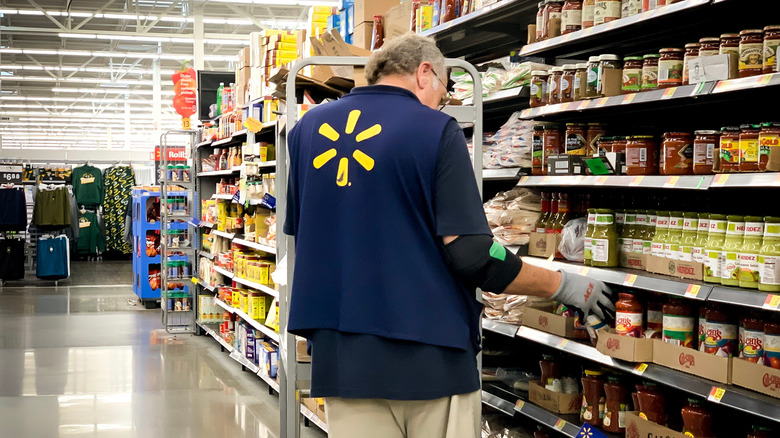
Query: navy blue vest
{"points": [[368, 260]]}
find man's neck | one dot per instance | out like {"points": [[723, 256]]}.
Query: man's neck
{"points": [[404, 82]]}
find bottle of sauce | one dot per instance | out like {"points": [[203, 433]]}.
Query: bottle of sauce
{"points": [[606, 63], [544, 216], [580, 79], [548, 225], [595, 132], [616, 406], [449, 11], [554, 12], [674, 239], [768, 140], [702, 327], [551, 142], [593, 398], [752, 345], [632, 74], [652, 404], [607, 10], [661, 236], [652, 223], [628, 234], [641, 155], [689, 235], [551, 370], [769, 257], [748, 148], [591, 87], [702, 232], [576, 141], [605, 240], [709, 47], [677, 150], [539, 93], [729, 149], [691, 51], [772, 344], [721, 332], [670, 68], [650, 72], [697, 421], [588, 253], [554, 85], [537, 152], [729, 45], [735, 234], [713, 251], [640, 235], [588, 8], [566, 90], [747, 259], [564, 213], [629, 316], [751, 52], [771, 43], [679, 323], [655, 319], [704, 145]]}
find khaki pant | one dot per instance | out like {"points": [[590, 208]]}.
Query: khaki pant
{"points": [[458, 416]]}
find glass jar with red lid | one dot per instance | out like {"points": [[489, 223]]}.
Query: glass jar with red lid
{"points": [[593, 398], [632, 74], [677, 151], [650, 71], [641, 155], [768, 140], [691, 51], [652, 403], [709, 46], [670, 67], [748, 148], [697, 421], [704, 145], [751, 52], [616, 406], [729, 149]]}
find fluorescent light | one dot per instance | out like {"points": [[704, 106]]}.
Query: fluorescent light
{"points": [[108, 91], [134, 71], [131, 55], [282, 2], [153, 39], [70, 99], [79, 80]]}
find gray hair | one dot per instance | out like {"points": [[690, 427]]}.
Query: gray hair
{"points": [[402, 56]]}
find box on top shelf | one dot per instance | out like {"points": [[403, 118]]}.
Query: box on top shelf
{"points": [[366, 9], [541, 317], [674, 268], [638, 426], [397, 20], [362, 36]]}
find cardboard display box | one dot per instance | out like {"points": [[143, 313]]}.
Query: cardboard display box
{"points": [[713, 68], [362, 36], [761, 378], [554, 401], [542, 318], [543, 245], [692, 361], [364, 10], [625, 347], [316, 405], [633, 261], [332, 44], [397, 20], [675, 268], [639, 427], [301, 350]]}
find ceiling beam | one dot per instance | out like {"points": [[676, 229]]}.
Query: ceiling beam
{"points": [[45, 13], [162, 36], [86, 20]]}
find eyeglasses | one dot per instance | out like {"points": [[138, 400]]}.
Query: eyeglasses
{"points": [[446, 98]]}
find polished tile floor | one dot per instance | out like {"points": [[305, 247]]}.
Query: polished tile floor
{"points": [[86, 360]]}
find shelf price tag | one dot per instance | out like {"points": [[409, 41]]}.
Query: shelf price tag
{"points": [[671, 181], [640, 369], [194, 280], [720, 180], [692, 291], [565, 106], [524, 179], [562, 343], [600, 181], [637, 180], [519, 405], [630, 279], [585, 103], [560, 424], [603, 100], [669, 93], [584, 270], [716, 395], [629, 98], [764, 79], [772, 302]]}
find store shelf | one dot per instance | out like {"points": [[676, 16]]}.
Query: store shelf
{"points": [[695, 182], [257, 246], [547, 418], [502, 328], [500, 174], [223, 234], [235, 138], [632, 278], [206, 254], [746, 180], [311, 416], [211, 332], [207, 286], [745, 297], [620, 35], [749, 83], [226, 196], [262, 288], [234, 171], [264, 164], [204, 144], [224, 272], [498, 403], [204, 224], [255, 324], [499, 106]]}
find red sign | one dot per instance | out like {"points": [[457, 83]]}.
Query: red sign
{"points": [[687, 360], [543, 321], [613, 344], [174, 154]]}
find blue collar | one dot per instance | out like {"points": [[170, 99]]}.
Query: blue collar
{"points": [[383, 90]]}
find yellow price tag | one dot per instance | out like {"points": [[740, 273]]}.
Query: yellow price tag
{"points": [[629, 98], [630, 279], [772, 302], [253, 124], [562, 343], [194, 280], [671, 181], [519, 405], [602, 180], [560, 424], [720, 180], [602, 101], [524, 179], [637, 180], [669, 93], [716, 395], [640, 368], [692, 291], [584, 271], [765, 79], [585, 104]]}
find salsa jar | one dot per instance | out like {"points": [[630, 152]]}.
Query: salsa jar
{"points": [[704, 145], [539, 21], [593, 398], [652, 403], [551, 144], [551, 369], [691, 51], [576, 139], [632, 74], [751, 52], [566, 90], [591, 86], [772, 344], [588, 7], [748, 148], [619, 144], [768, 140], [616, 405], [709, 47], [629, 316], [539, 94], [697, 421], [580, 79], [553, 85], [670, 67], [595, 132], [729, 149], [606, 11], [537, 146], [751, 345], [606, 63], [721, 332], [679, 323], [571, 20], [553, 11], [604, 145], [769, 257], [677, 150], [771, 43], [641, 155], [729, 45], [604, 243], [650, 71]]}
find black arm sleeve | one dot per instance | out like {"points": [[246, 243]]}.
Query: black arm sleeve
{"points": [[478, 261]]}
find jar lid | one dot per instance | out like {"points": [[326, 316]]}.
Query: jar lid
{"points": [[707, 132], [641, 137], [592, 373], [632, 58], [773, 27], [581, 66], [593, 59], [651, 55], [569, 66], [595, 125], [538, 128], [751, 32], [556, 69], [749, 126], [730, 128], [671, 50], [709, 40], [609, 58], [729, 35], [692, 45], [704, 216], [677, 134], [770, 125], [691, 215], [540, 73]]}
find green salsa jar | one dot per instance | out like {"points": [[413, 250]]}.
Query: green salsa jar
{"points": [[674, 236], [688, 241], [628, 233], [769, 257], [605, 240], [640, 235], [735, 235], [713, 251], [652, 222], [747, 259], [702, 231], [588, 256], [661, 237]]}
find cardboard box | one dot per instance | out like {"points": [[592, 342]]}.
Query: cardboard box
{"points": [[638, 427], [362, 36], [332, 44], [397, 20], [244, 57], [675, 268], [760, 378], [712, 68], [565, 165], [301, 350], [316, 405], [542, 318], [692, 361], [633, 261], [625, 347], [364, 10], [554, 401], [543, 245]]}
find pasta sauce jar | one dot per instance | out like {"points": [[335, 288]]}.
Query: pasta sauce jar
{"points": [[537, 146], [632, 74], [748, 148], [729, 149], [768, 141], [539, 93], [576, 139], [606, 11], [771, 43], [704, 145], [709, 47], [677, 150], [691, 51], [551, 144], [751, 52], [697, 421], [571, 20], [629, 316], [729, 45], [553, 85], [650, 72], [566, 90], [670, 68], [641, 155]]}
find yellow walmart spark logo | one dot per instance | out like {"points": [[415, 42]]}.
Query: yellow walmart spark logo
{"points": [[327, 131]]}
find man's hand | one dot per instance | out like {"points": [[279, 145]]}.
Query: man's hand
{"points": [[584, 293]]}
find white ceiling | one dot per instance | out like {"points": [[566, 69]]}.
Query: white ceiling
{"points": [[80, 73]]}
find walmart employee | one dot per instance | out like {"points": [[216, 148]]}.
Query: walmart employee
{"points": [[392, 242]]}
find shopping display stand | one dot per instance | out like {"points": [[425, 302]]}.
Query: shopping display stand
{"points": [[295, 377]]}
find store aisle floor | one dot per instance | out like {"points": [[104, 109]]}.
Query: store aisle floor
{"points": [[89, 361]]}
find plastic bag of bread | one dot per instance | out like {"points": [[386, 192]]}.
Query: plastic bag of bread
{"points": [[511, 235], [494, 301], [572, 244]]}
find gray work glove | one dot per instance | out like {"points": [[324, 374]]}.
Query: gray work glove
{"points": [[586, 294]]}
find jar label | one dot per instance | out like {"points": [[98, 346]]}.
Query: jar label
{"points": [[717, 226], [604, 219], [721, 339], [647, 247], [702, 332], [678, 330], [655, 319], [638, 246], [620, 217], [572, 19], [588, 253], [708, 52], [752, 346], [772, 230], [748, 151], [697, 254], [728, 268], [627, 246], [755, 229], [667, 251], [593, 77], [704, 226], [670, 72], [675, 223], [632, 79], [702, 153], [636, 157], [662, 222], [538, 89], [564, 85], [766, 141], [552, 85], [772, 350], [541, 230], [769, 270], [751, 56], [536, 154], [657, 249], [729, 150], [649, 77], [587, 15], [606, 11], [600, 250], [629, 324], [634, 7], [712, 263], [770, 54], [686, 254]]}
